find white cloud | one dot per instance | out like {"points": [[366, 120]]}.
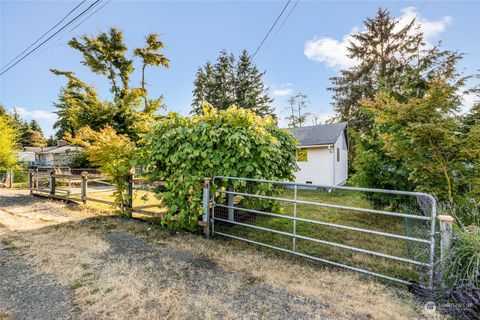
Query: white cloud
{"points": [[330, 51], [333, 52], [430, 29], [44, 118], [468, 100], [36, 114], [283, 90]]}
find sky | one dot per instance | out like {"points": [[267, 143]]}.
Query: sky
{"points": [[302, 53]]}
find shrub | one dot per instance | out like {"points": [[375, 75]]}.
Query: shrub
{"points": [[234, 142], [463, 263], [114, 154]]}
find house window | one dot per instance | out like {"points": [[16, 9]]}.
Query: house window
{"points": [[302, 155], [338, 154]]}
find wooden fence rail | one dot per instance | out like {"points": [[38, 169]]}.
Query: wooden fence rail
{"points": [[46, 184]]}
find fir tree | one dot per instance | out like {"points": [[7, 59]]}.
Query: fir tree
{"points": [[229, 82]]}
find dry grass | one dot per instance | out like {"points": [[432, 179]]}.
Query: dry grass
{"points": [[157, 275]]}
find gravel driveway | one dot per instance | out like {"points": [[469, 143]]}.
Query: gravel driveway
{"points": [[64, 262]]}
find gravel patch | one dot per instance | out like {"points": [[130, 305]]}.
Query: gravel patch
{"points": [[57, 263], [251, 298], [27, 294]]}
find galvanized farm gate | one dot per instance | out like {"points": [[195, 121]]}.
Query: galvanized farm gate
{"points": [[330, 224]]}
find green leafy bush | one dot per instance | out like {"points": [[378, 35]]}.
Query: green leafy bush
{"points": [[234, 142]]}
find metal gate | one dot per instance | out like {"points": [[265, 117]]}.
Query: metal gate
{"points": [[385, 233]]}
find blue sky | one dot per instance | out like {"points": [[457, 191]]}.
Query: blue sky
{"points": [[303, 55]]}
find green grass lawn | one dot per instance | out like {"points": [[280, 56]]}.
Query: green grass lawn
{"points": [[383, 244]]}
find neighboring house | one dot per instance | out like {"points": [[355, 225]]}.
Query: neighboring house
{"points": [[322, 154], [58, 155]]}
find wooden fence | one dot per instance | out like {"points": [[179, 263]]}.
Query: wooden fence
{"points": [[82, 188], [13, 178]]}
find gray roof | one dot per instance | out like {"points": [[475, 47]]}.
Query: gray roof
{"points": [[324, 134]]}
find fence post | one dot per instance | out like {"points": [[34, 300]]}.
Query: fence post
{"points": [[446, 235], [52, 182], [130, 189], [83, 187], [206, 206], [30, 181], [9, 178], [230, 203]]}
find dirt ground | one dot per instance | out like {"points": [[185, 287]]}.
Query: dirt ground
{"points": [[61, 261]]}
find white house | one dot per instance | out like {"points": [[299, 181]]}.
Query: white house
{"points": [[49, 156], [322, 154]]}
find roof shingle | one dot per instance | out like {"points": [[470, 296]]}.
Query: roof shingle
{"points": [[324, 134]]}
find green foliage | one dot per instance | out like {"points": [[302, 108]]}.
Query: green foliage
{"points": [[114, 154], [79, 160], [29, 133], [130, 110], [463, 262], [228, 82], [233, 142], [423, 133], [8, 147], [382, 52]]}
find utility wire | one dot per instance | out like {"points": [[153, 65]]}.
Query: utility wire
{"points": [[279, 28], [53, 35], [270, 30], [88, 17], [43, 35], [65, 32]]}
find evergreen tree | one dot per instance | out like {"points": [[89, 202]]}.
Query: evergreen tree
{"points": [[35, 126], [51, 141], [383, 52], [229, 82], [3, 111]]}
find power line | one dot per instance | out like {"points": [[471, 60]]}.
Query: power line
{"points": [[279, 28], [53, 35], [88, 17], [270, 30], [65, 32], [43, 35]]}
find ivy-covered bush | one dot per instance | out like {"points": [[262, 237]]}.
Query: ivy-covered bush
{"points": [[235, 142]]}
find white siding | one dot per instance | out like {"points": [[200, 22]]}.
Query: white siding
{"points": [[319, 167], [26, 156], [341, 167]]}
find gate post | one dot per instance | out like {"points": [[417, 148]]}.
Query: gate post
{"points": [[230, 203], [83, 187], [52, 182], [206, 206], [446, 233]]}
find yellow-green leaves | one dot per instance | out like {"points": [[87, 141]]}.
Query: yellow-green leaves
{"points": [[8, 139], [113, 153], [232, 142]]}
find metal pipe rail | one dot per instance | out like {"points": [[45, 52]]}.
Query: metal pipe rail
{"points": [[402, 215], [230, 206], [379, 233]]}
